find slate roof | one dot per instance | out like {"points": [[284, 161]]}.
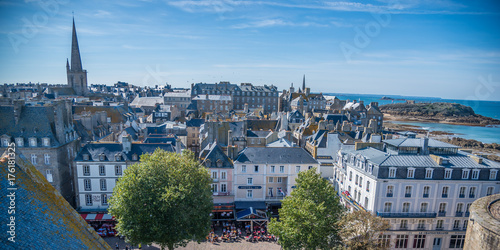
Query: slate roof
{"points": [[146, 101], [334, 118], [111, 149], [261, 124], [215, 153], [284, 155], [195, 122], [50, 222], [260, 133], [281, 142], [418, 142]]}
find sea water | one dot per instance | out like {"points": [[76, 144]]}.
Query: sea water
{"points": [[489, 134]]}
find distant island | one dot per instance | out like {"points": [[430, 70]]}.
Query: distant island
{"points": [[439, 112], [393, 99]]}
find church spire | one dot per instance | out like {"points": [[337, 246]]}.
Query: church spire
{"points": [[76, 61], [304, 83]]}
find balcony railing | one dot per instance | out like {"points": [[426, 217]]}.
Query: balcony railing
{"points": [[421, 227], [441, 213], [426, 195], [389, 195], [275, 198], [459, 214], [221, 194], [444, 195], [406, 215], [466, 214], [407, 195], [461, 196], [472, 196]]}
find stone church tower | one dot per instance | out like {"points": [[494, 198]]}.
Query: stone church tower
{"points": [[77, 77]]}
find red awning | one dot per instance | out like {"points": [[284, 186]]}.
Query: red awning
{"points": [[97, 217]]}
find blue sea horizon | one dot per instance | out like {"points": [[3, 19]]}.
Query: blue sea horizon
{"points": [[489, 134]]}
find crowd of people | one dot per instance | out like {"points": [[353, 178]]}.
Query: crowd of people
{"points": [[231, 232]]}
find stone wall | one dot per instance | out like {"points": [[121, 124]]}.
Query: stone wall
{"points": [[483, 231]]}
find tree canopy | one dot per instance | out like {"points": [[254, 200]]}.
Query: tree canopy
{"points": [[309, 216], [361, 229], [164, 199]]}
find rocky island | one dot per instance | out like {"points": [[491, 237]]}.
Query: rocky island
{"points": [[439, 112]]}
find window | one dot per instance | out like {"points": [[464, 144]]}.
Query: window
{"points": [[118, 170], [357, 180], [88, 200], [493, 174], [270, 192], [465, 173], [442, 209], [223, 187], [447, 173], [86, 170], [444, 194], [387, 207], [33, 159], [392, 172], [48, 174], [423, 207], [456, 225], [390, 191], [350, 175], [256, 169], [250, 181], [367, 186], [366, 202], [297, 169], [406, 207], [465, 224], [408, 191], [5, 142], [117, 157], [104, 199], [19, 142], [271, 179], [282, 169], [103, 184], [472, 192], [249, 193], [32, 142], [461, 194], [86, 157], [214, 187], [214, 175], [86, 184], [280, 179], [428, 173], [410, 173], [421, 225], [46, 158], [101, 157], [102, 170], [489, 191], [439, 224], [135, 157], [385, 241], [457, 241], [460, 207], [475, 174], [404, 224], [310, 167], [360, 182], [243, 168], [272, 169], [401, 241], [223, 175], [426, 191], [419, 241], [467, 207]]}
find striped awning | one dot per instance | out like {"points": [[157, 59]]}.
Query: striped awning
{"points": [[97, 217]]}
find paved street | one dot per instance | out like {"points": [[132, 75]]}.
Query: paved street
{"points": [[203, 246]]}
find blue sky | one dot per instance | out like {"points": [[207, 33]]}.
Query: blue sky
{"points": [[439, 48]]}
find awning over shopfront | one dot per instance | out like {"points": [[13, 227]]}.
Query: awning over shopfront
{"points": [[97, 217], [251, 214], [247, 204]]}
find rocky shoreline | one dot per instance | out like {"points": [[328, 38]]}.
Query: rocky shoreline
{"points": [[449, 113]]}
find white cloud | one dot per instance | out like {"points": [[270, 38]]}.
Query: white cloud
{"points": [[276, 22]]}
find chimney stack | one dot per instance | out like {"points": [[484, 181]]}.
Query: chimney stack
{"points": [[178, 145], [229, 138], [18, 107]]}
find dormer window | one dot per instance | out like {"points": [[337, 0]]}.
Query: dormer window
{"points": [[5, 142], [19, 142], [411, 173], [465, 173], [208, 163], [475, 174], [46, 142], [102, 157], [33, 142], [134, 157], [219, 163], [86, 157], [392, 172], [117, 157]]}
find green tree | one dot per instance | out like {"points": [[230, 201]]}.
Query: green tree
{"points": [[309, 216], [164, 199], [361, 229]]}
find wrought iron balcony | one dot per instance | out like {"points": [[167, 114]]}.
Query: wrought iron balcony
{"points": [[426, 195], [389, 195], [461, 196], [406, 215], [444, 195], [466, 214], [407, 195], [459, 214], [442, 213]]}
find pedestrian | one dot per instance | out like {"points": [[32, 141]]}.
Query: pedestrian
{"points": [[140, 246], [116, 246], [126, 247]]}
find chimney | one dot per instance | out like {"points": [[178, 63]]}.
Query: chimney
{"points": [[127, 143], [229, 138], [18, 107], [232, 152], [178, 145], [245, 109], [425, 147]]}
